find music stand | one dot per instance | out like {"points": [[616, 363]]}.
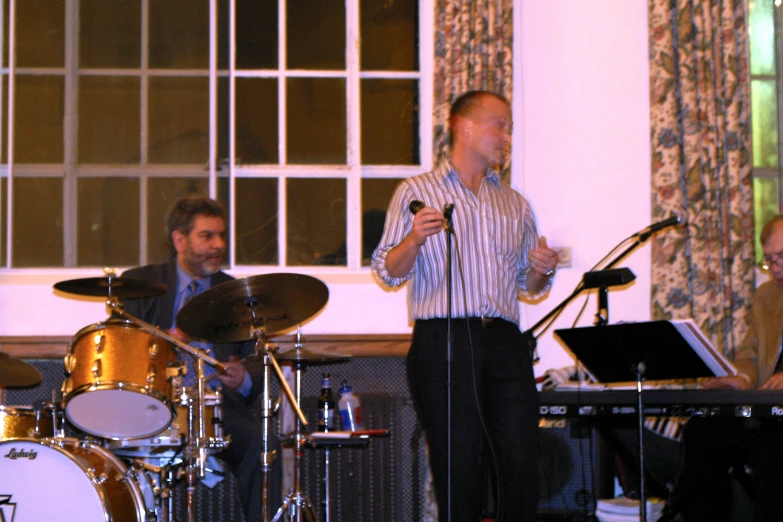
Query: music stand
{"points": [[655, 350]]}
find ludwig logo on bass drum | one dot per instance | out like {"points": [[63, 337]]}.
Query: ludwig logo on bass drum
{"points": [[13, 454]]}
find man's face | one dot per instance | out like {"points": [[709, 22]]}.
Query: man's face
{"points": [[490, 133], [201, 252], [773, 255]]}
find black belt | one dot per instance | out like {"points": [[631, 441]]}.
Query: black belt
{"points": [[485, 322]]}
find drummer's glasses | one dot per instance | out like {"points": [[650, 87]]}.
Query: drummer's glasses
{"points": [[770, 259]]}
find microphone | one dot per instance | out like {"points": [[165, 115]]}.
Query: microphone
{"points": [[448, 209], [655, 227], [415, 206]]}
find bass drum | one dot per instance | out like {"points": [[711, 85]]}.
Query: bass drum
{"points": [[67, 480]]}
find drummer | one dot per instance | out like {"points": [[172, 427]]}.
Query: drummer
{"points": [[196, 231]]}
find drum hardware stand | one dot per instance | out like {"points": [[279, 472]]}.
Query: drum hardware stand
{"points": [[297, 504], [264, 350], [195, 454]]}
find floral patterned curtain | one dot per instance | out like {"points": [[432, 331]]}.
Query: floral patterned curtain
{"points": [[472, 51], [701, 169]]}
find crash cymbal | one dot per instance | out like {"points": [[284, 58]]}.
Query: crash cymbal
{"points": [[112, 286], [15, 373], [225, 312], [305, 356]]}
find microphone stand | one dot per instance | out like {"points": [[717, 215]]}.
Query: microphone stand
{"points": [[603, 316], [447, 211]]}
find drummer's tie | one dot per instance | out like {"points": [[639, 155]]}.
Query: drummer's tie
{"points": [[190, 291]]}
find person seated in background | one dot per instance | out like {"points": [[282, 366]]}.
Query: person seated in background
{"points": [[713, 446]]}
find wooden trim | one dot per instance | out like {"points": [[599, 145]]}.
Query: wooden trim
{"points": [[365, 345]]}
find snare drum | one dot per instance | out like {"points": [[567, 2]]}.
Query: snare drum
{"points": [[168, 443], [117, 385], [65, 480], [24, 422]]}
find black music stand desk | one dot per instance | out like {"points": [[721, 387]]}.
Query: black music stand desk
{"points": [[668, 350]]}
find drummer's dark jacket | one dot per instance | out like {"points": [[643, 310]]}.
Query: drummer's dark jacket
{"points": [[159, 311]]}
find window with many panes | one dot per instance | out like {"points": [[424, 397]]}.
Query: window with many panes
{"points": [[300, 115], [765, 54]]}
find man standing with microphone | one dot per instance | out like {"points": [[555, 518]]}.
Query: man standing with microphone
{"points": [[498, 254]]}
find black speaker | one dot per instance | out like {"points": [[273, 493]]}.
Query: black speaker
{"points": [[575, 466]]}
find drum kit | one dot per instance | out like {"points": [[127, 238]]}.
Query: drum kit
{"points": [[125, 429]]}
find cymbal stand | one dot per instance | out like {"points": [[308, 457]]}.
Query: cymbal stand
{"points": [[296, 503], [268, 455], [264, 350], [195, 455]]}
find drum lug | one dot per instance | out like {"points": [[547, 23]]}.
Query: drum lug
{"points": [[97, 369], [99, 341], [153, 349], [152, 374], [98, 480], [69, 362]]}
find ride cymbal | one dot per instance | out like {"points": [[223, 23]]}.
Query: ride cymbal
{"points": [[275, 302], [112, 286], [15, 373]]}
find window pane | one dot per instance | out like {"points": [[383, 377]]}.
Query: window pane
{"points": [[109, 119], [256, 121], [108, 222], [45, 19], [389, 32], [316, 121], [179, 120], [316, 34], [761, 33], [257, 34], [38, 222], [256, 221], [110, 33], [390, 122], [764, 117], [376, 194], [38, 120], [179, 34], [765, 206], [316, 222]]}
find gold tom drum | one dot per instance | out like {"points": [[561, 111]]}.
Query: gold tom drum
{"points": [[116, 383], [24, 422]]}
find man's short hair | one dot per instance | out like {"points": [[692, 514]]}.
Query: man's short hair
{"points": [[769, 228], [182, 214], [467, 102]]}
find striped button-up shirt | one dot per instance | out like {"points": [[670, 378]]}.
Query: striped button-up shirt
{"points": [[494, 230]]}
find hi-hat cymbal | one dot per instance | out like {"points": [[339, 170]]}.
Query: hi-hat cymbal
{"points": [[305, 356], [274, 302], [15, 373], [112, 286]]}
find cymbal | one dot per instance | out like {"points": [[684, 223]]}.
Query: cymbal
{"points": [[226, 312], [15, 373], [305, 356], [112, 286]]}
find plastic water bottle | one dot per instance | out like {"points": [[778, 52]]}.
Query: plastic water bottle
{"points": [[350, 409], [326, 405]]}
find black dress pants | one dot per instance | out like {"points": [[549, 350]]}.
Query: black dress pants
{"points": [[494, 403]]}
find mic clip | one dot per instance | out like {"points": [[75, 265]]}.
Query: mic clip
{"points": [[448, 209]]}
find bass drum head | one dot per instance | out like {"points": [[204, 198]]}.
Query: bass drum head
{"points": [[40, 481]]}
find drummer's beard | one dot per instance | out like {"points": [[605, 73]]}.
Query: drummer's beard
{"points": [[203, 264]]}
